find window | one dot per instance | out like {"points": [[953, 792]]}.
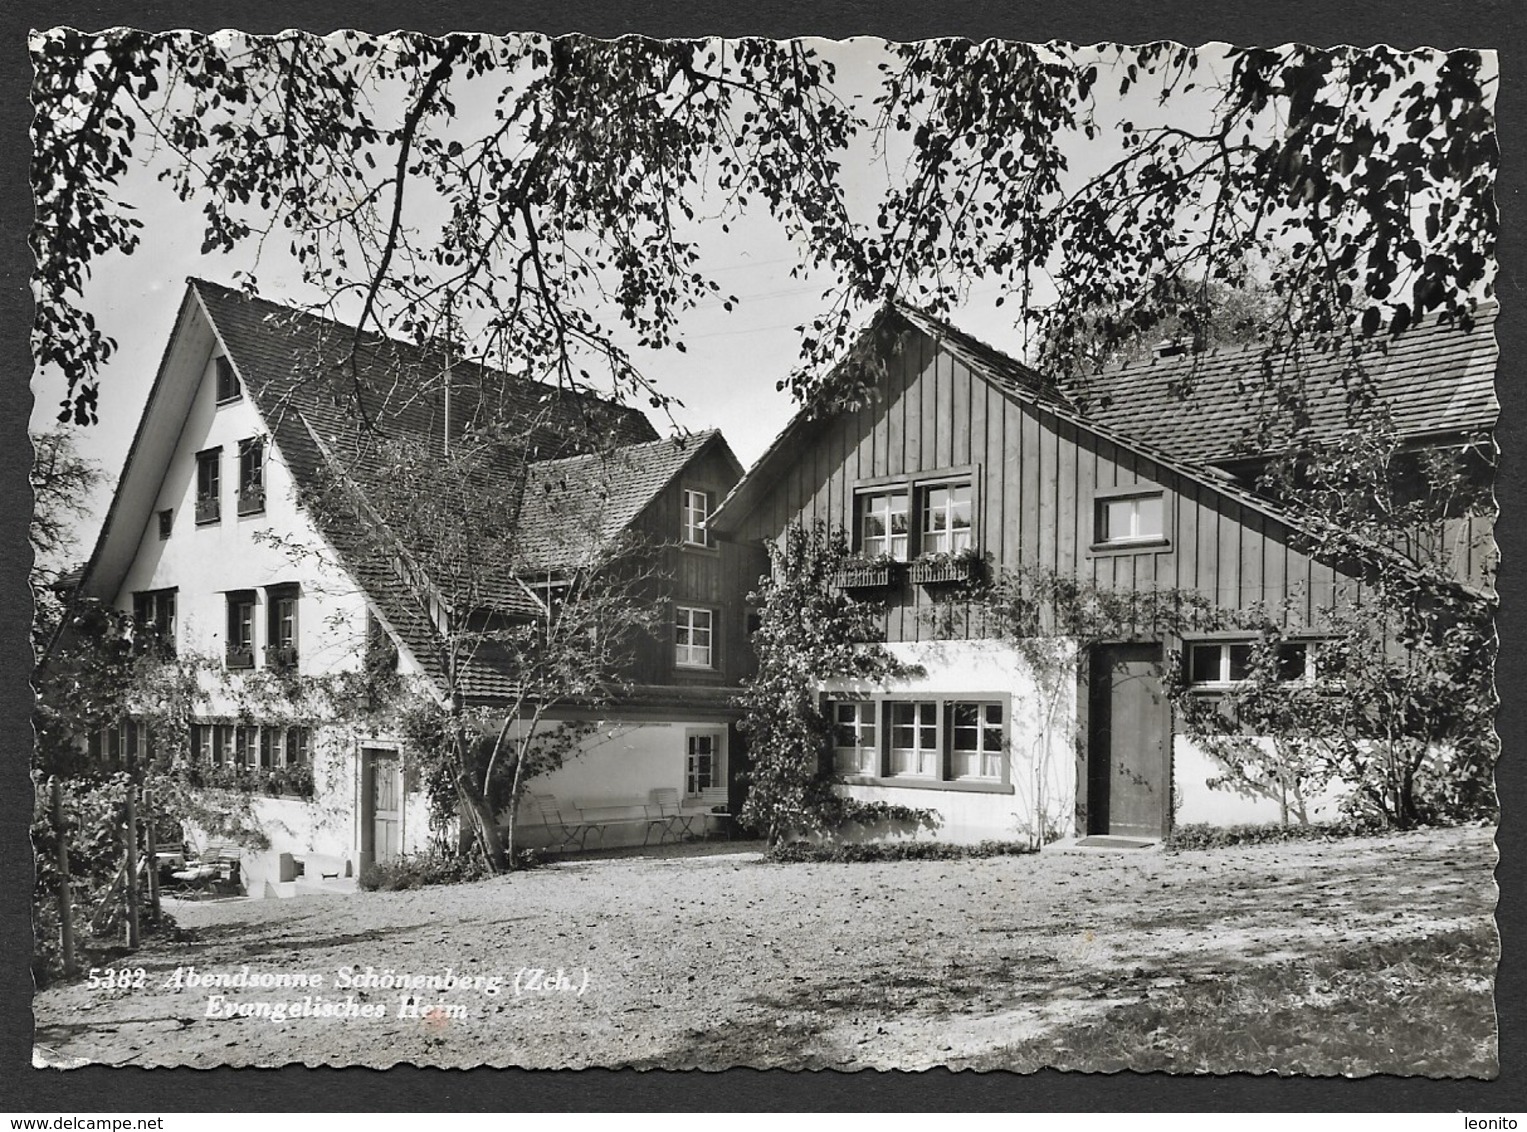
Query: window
{"points": [[208, 486], [883, 524], [692, 640], [122, 742], [227, 381], [946, 519], [975, 740], [246, 741], [1228, 662], [703, 763], [154, 619], [241, 629], [855, 748], [937, 743], [166, 523], [696, 512], [251, 476], [914, 738], [1131, 518], [281, 626]]}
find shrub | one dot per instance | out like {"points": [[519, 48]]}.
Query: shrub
{"points": [[1222, 837], [416, 871], [796, 852]]}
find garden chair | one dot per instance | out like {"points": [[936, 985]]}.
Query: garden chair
{"points": [[550, 814]]}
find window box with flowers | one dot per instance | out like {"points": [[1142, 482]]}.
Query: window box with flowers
{"points": [[947, 568], [870, 572]]}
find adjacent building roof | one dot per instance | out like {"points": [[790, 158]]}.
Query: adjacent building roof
{"points": [[306, 375], [1439, 378], [1436, 381], [573, 504]]}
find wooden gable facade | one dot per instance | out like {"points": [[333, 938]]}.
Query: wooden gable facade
{"points": [[1041, 479], [698, 573], [952, 427]]}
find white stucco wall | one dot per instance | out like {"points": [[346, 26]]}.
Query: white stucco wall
{"points": [[1041, 732], [205, 562], [619, 766], [1197, 802]]}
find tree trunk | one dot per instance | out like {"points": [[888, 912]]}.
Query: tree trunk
{"points": [[515, 786], [480, 814]]}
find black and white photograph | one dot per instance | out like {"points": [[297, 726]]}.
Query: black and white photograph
{"points": [[555, 551]]}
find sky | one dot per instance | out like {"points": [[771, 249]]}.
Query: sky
{"points": [[725, 379]]}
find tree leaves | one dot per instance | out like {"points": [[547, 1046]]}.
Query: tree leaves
{"points": [[565, 221]]}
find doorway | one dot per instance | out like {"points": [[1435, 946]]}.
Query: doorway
{"points": [[1129, 771]]}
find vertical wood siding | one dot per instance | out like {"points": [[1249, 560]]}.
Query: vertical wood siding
{"points": [[719, 577], [1036, 478]]}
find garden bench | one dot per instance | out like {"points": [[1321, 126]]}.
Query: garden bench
{"points": [[575, 824]]}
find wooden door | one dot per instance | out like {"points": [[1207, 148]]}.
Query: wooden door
{"points": [[1129, 781], [381, 804]]}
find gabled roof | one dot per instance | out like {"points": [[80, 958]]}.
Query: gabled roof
{"points": [[1436, 381], [593, 497], [303, 374], [1002, 371], [1023, 384]]}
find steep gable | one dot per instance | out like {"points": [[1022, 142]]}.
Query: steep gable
{"points": [[299, 375]]}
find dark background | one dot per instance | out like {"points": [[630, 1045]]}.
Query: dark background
{"points": [[1497, 24]]}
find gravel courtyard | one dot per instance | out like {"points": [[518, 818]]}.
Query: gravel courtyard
{"points": [[706, 956]]}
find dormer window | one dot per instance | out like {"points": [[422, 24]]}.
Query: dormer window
{"points": [[251, 476], [227, 381], [696, 515]]}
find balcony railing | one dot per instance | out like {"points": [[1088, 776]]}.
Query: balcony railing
{"points": [[281, 657], [208, 509], [240, 656], [251, 499]]}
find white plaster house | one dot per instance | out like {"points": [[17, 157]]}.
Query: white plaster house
{"points": [[210, 544]]}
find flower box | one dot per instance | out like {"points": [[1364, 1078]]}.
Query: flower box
{"points": [[945, 570], [251, 499], [865, 576], [280, 656]]}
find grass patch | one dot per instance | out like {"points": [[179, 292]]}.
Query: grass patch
{"points": [[1412, 1006], [1223, 836], [796, 852]]}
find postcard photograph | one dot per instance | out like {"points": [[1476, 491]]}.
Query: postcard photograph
{"points": [[561, 552]]}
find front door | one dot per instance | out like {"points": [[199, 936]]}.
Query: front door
{"points": [[1128, 756], [381, 804]]}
